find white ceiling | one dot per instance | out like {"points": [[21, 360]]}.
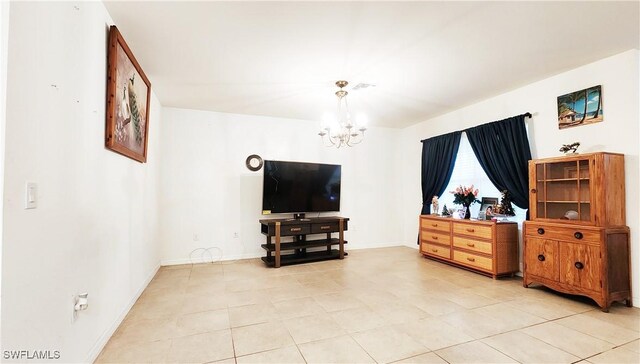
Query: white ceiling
{"points": [[281, 59]]}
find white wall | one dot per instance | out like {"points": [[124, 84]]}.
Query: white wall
{"points": [[4, 45], [619, 132], [208, 191], [96, 227]]}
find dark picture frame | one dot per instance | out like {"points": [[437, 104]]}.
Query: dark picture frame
{"points": [[486, 202], [128, 101]]}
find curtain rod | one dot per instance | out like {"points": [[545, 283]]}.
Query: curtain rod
{"points": [[526, 115]]}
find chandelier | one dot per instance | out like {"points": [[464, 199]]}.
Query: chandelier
{"points": [[342, 130]]}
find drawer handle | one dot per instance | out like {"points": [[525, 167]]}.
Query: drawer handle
{"points": [[295, 229], [434, 225], [471, 259], [434, 250], [470, 245], [578, 235], [579, 265], [540, 231], [434, 237], [471, 230], [325, 227], [541, 258]]}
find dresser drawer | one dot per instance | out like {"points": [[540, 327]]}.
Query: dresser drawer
{"points": [[436, 237], [473, 260], [472, 230], [435, 225], [326, 227], [436, 250], [566, 233], [473, 245]]}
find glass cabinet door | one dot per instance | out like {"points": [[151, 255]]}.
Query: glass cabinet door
{"points": [[563, 190]]}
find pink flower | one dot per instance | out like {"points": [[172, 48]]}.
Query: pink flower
{"points": [[475, 193]]}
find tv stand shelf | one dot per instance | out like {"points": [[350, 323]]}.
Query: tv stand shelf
{"points": [[297, 230]]}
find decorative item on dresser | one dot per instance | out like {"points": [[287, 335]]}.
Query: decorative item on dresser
{"points": [[486, 247], [577, 241]]}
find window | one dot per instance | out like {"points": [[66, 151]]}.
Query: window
{"points": [[468, 171]]}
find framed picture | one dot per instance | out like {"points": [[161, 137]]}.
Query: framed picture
{"points": [[580, 107], [486, 206], [128, 96]]}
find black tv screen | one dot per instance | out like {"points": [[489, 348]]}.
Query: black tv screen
{"points": [[300, 187]]}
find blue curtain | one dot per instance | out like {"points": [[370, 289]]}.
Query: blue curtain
{"points": [[438, 158], [502, 148]]}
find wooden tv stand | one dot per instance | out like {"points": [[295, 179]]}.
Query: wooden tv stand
{"points": [[298, 229]]}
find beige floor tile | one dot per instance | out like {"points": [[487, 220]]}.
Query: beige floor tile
{"points": [[278, 294], [201, 348], [146, 330], [600, 329], [193, 303], [261, 337], [313, 328], [388, 344], [201, 322], [400, 313], [428, 358], [321, 288], [549, 310], [358, 319], [569, 340], [473, 352], [342, 349], [251, 314], [435, 306], [616, 356], [150, 352], [627, 317], [332, 302], [508, 316], [286, 355], [434, 333], [471, 300], [633, 346], [297, 307], [237, 299], [527, 349], [476, 325], [155, 310], [225, 361]]}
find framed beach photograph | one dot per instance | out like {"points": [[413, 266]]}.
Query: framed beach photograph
{"points": [[128, 96], [580, 107]]}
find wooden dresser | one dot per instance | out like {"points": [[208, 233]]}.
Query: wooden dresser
{"points": [[486, 247], [577, 241]]}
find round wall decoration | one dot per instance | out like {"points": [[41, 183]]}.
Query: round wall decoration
{"points": [[254, 162]]}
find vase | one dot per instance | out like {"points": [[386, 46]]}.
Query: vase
{"points": [[467, 213]]}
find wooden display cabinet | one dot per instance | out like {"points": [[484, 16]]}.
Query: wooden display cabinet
{"points": [[577, 241]]}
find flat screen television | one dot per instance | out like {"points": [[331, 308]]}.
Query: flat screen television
{"points": [[295, 187]]}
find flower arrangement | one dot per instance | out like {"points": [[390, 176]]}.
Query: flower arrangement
{"points": [[465, 195]]}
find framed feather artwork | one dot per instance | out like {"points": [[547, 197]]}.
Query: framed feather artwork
{"points": [[128, 96]]}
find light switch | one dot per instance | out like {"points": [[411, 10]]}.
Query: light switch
{"points": [[31, 196]]}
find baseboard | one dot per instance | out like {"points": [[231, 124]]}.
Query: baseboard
{"points": [[182, 261], [102, 341]]}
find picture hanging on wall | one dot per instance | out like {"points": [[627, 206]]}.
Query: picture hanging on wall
{"points": [[580, 107], [128, 96]]}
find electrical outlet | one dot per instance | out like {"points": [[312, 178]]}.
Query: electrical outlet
{"points": [[236, 235]]}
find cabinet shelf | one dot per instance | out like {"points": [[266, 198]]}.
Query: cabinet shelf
{"points": [[303, 258], [573, 202], [564, 179], [303, 244]]}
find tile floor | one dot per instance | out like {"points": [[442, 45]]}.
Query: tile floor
{"points": [[377, 305]]}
